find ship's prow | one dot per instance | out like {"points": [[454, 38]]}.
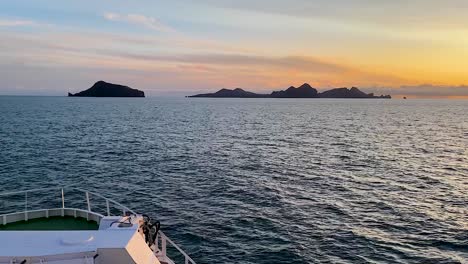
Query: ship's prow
{"points": [[73, 235]]}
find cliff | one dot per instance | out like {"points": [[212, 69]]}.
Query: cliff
{"points": [[227, 93], [349, 93], [304, 91], [104, 89]]}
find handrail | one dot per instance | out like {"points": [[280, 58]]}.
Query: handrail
{"points": [[116, 205], [73, 188], [187, 257], [105, 198], [31, 190]]}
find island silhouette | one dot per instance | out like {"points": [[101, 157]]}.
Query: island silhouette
{"points": [[303, 91], [105, 89]]}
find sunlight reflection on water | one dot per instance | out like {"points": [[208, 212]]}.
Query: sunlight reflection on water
{"points": [[260, 180]]}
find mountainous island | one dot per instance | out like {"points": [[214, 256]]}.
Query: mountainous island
{"points": [[303, 91], [104, 89]]}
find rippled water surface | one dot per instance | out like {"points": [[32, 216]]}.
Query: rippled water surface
{"points": [[260, 180]]}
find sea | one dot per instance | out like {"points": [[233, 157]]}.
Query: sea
{"points": [[260, 180]]}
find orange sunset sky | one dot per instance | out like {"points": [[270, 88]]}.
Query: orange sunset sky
{"points": [[404, 48]]}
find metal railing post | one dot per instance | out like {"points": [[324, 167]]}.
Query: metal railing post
{"points": [[63, 199], [163, 245], [107, 207], [87, 201], [63, 204], [186, 259], [156, 241]]}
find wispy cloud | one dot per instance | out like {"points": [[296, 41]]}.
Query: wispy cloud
{"points": [[184, 64], [433, 90], [422, 91], [137, 19], [16, 22], [215, 68], [298, 63]]}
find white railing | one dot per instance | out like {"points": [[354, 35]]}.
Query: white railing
{"points": [[66, 205], [74, 201], [163, 249]]}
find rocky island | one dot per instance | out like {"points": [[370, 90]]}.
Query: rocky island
{"points": [[303, 91], [104, 89], [236, 93]]}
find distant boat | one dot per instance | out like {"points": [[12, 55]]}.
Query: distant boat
{"points": [[404, 97]]}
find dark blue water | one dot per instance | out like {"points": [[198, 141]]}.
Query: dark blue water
{"points": [[260, 180]]}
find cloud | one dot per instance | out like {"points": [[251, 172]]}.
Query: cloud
{"points": [[182, 65], [423, 91], [419, 13], [16, 23], [210, 68], [233, 59], [434, 90], [183, 52], [137, 19]]}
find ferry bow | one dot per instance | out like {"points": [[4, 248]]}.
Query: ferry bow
{"points": [[72, 225]]}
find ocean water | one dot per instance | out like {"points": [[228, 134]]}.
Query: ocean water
{"points": [[260, 180]]}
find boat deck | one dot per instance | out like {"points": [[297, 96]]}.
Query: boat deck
{"points": [[76, 234], [52, 223]]}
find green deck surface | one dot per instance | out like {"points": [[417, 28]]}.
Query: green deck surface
{"points": [[52, 223]]}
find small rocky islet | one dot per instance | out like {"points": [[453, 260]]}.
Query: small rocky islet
{"points": [[105, 89]]}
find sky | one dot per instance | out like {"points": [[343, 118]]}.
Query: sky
{"points": [[415, 48]]}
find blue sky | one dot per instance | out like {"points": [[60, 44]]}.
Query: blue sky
{"points": [[415, 48]]}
